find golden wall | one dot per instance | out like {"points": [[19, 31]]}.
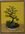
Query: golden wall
{"points": [[20, 13]]}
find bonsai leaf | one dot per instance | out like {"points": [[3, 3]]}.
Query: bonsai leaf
{"points": [[12, 7], [14, 11], [17, 19]]}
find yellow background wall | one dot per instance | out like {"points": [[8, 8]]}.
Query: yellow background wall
{"points": [[19, 6]]}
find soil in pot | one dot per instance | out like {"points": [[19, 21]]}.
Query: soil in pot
{"points": [[11, 25]]}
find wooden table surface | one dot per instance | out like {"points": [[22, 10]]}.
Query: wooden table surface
{"points": [[20, 29]]}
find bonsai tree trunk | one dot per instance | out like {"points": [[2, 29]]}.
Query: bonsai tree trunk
{"points": [[12, 20]]}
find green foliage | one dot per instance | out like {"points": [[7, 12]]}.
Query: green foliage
{"points": [[8, 23], [12, 25], [11, 11]]}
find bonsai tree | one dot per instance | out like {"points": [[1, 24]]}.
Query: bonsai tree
{"points": [[11, 11]]}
